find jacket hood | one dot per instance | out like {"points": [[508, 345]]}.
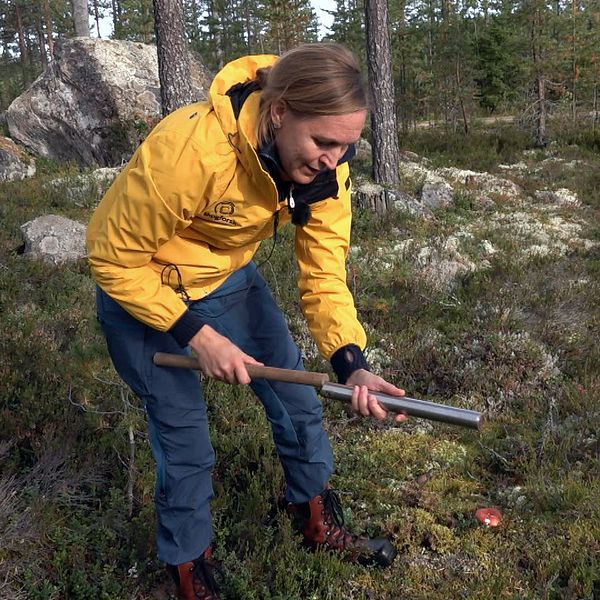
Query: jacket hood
{"points": [[238, 71]]}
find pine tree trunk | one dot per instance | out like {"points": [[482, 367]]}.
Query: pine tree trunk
{"points": [[383, 110], [42, 44], [195, 30], [21, 33], [81, 18], [540, 82], [540, 130], [97, 18], [247, 22], [23, 53], [49, 30], [461, 99], [595, 103], [214, 29], [173, 56], [574, 66], [30, 54], [116, 14]]}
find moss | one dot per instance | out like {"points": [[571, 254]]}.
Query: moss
{"points": [[517, 340]]}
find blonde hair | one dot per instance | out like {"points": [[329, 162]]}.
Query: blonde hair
{"points": [[312, 79]]}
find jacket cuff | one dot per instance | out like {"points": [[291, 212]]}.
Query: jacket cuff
{"points": [[346, 360], [186, 327]]}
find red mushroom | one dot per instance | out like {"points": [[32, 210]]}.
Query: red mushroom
{"points": [[490, 517]]}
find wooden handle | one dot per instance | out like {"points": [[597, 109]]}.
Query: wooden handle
{"points": [[163, 359]]}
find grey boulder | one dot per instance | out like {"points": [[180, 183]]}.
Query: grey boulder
{"points": [[94, 103], [14, 163], [54, 239]]}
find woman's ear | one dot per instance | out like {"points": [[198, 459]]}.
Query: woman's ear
{"points": [[278, 109]]}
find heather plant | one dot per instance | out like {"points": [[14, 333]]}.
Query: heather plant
{"points": [[481, 150], [513, 332]]}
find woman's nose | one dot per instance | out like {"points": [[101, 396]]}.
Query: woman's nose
{"points": [[330, 159]]}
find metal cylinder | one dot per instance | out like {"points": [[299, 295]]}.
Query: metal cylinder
{"points": [[412, 406]]}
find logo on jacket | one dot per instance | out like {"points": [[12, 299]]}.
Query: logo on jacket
{"points": [[222, 212]]}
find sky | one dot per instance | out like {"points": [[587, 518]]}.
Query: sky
{"points": [[325, 19]]}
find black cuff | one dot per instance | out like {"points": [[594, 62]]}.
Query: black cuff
{"points": [[186, 327], [346, 360]]}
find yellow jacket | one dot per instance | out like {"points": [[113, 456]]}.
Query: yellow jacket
{"points": [[195, 195]]}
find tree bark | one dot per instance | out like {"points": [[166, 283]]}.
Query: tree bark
{"points": [[540, 81], [41, 42], [21, 33], [49, 31], [97, 18], [81, 18], [214, 32], [173, 56], [461, 99], [247, 21], [540, 129], [196, 16], [116, 15], [574, 65], [383, 110], [596, 113], [23, 51]]}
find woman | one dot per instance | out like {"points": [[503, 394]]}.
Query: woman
{"points": [[171, 247]]}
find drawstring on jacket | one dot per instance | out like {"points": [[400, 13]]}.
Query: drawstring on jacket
{"points": [[165, 279]]}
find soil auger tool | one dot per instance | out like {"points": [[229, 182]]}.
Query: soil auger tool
{"points": [[409, 406]]}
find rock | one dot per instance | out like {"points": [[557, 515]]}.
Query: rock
{"points": [[410, 204], [380, 200], [54, 239], [481, 182], [14, 163], [408, 156], [442, 275], [437, 194], [560, 197], [438, 186], [434, 191], [94, 103], [363, 151], [414, 170]]}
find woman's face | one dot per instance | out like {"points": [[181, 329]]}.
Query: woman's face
{"points": [[308, 145]]}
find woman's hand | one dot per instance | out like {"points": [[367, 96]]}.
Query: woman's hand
{"points": [[366, 404], [219, 358]]}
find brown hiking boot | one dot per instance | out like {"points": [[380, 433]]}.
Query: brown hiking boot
{"points": [[321, 521], [195, 580]]}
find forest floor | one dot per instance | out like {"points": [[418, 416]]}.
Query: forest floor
{"points": [[494, 120], [481, 121], [513, 332]]}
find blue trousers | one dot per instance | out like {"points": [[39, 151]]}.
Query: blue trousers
{"points": [[243, 310]]}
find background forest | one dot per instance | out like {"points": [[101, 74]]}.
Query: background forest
{"points": [[452, 60]]}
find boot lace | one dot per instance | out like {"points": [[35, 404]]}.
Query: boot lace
{"points": [[334, 518]]}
